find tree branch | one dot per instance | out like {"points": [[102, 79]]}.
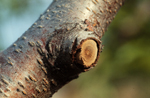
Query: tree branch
{"points": [[62, 43]]}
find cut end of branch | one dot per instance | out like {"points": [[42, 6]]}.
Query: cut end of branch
{"points": [[88, 53]]}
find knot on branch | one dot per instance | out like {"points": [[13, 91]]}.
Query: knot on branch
{"points": [[87, 53]]}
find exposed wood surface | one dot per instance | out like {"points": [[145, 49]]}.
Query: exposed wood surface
{"points": [[87, 53], [46, 56]]}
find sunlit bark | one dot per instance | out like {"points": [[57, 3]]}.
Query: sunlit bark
{"points": [[62, 43]]}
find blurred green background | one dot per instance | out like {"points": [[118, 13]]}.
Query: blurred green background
{"points": [[123, 69]]}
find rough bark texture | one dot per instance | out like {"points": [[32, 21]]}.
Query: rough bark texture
{"points": [[45, 57]]}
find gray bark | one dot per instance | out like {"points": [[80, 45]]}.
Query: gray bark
{"points": [[43, 59]]}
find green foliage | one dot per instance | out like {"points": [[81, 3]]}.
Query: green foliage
{"points": [[128, 40], [125, 59], [17, 7]]}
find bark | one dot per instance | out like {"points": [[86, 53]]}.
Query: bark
{"points": [[62, 43]]}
